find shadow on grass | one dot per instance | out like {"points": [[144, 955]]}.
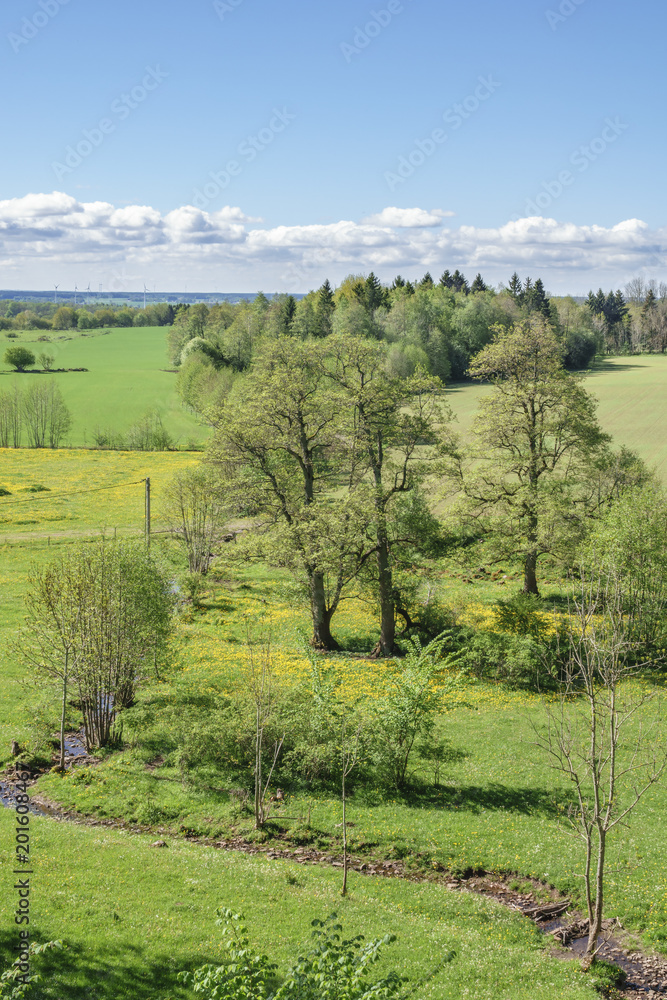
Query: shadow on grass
{"points": [[112, 972], [603, 367], [494, 796]]}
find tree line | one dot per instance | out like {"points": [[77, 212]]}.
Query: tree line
{"points": [[38, 413], [438, 326], [634, 322], [17, 315]]}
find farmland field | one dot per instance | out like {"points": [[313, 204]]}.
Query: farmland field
{"points": [[632, 395], [127, 376]]}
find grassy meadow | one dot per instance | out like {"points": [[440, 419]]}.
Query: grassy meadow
{"points": [[132, 915], [128, 374], [632, 396]]}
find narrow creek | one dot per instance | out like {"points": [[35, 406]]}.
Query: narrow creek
{"points": [[75, 747]]}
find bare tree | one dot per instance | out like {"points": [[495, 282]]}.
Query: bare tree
{"points": [[259, 677], [46, 415], [349, 760], [195, 510], [602, 736], [11, 418]]}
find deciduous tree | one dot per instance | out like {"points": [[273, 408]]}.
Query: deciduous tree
{"points": [[535, 439]]}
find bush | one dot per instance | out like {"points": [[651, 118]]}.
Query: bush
{"points": [[335, 968], [19, 358], [581, 349], [522, 615], [407, 713], [500, 656]]}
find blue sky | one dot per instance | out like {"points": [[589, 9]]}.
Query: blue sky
{"points": [[292, 128]]}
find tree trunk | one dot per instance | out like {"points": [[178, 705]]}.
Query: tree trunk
{"points": [[62, 716], [259, 733], [322, 615], [596, 924], [344, 892], [530, 574], [386, 645]]}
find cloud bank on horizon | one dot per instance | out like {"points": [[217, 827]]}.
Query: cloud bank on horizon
{"points": [[47, 238]]}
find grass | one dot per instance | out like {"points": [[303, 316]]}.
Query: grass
{"points": [[127, 376], [132, 916], [632, 396], [499, 808], [90, 490]]}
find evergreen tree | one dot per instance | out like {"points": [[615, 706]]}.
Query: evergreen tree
{"points": [[459, 282], [596, 302], [324, 310], [478, 285], [427, 281], [374, 293], [398, 282], [288, 312], [515, 287], [539, 301], [446, 280]]}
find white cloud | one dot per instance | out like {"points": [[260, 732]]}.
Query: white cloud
{"points": [[46, 237], [407, 218]]}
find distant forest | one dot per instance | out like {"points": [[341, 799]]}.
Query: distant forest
{"points": [[435, 325]]}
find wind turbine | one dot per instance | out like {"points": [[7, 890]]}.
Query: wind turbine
{"points": [[145, 290], [75, 291], [88, 294], [55, 297]]}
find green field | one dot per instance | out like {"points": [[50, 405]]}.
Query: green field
{"points": [[132, 915], [128, 375], [632, 396]]}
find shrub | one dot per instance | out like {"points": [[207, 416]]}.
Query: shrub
{"points": [[498, 656], [19, 358], [335, 968], [407, 713], [522, 615]]}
